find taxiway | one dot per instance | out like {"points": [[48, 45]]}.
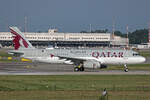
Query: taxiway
{"points": [[21, 68]]}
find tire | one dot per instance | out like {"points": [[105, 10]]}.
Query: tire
{"points": [[82, 69], [126, 70], [76, 69]]}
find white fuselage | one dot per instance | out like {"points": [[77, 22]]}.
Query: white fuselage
{"points": [[101, 56]]}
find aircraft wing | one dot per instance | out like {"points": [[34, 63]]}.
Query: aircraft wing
{"points": [[77, 59], [71, 58]]}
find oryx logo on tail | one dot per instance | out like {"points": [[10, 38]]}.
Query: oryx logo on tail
{"points": [[19, 39]]}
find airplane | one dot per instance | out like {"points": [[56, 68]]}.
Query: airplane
{"points": [[81, 58]]}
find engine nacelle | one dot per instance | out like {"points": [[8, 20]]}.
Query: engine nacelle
{"points": [[93, 64]]}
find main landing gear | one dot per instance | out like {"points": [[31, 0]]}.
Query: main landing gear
{"points": [[126, 68], [79, 68]]}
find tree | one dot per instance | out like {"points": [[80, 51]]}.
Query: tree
{"points": [[118, 33], [138, 36]]}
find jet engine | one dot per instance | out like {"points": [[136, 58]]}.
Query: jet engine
{"points": [[93, 64]]}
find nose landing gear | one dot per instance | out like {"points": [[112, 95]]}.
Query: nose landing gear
{"points": [[126, 68]]}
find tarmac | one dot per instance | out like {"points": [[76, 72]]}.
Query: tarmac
{"points": [[25, 68]]}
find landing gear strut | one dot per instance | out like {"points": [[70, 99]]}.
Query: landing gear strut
{"points": [[79, 68], [126, 68]]}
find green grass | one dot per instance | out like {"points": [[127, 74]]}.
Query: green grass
{"points": [[5, 60], [3, 53], [4, 57], [144, 53], [75, 87]]}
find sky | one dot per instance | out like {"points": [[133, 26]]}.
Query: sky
{"points": [[74, 15]]}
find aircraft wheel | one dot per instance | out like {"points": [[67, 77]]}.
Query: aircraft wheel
{"points": [[82, 69], [76, 69], [126, 70]]}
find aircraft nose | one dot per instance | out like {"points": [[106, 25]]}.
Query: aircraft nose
{"points": [[142, 59]]}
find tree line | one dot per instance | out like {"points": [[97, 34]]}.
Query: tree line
{"points": [[136, 37]]}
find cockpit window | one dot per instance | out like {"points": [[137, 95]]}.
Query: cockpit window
{"points": [[135, 54]]}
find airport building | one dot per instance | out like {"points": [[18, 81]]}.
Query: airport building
{"points": [[55, 38]]}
